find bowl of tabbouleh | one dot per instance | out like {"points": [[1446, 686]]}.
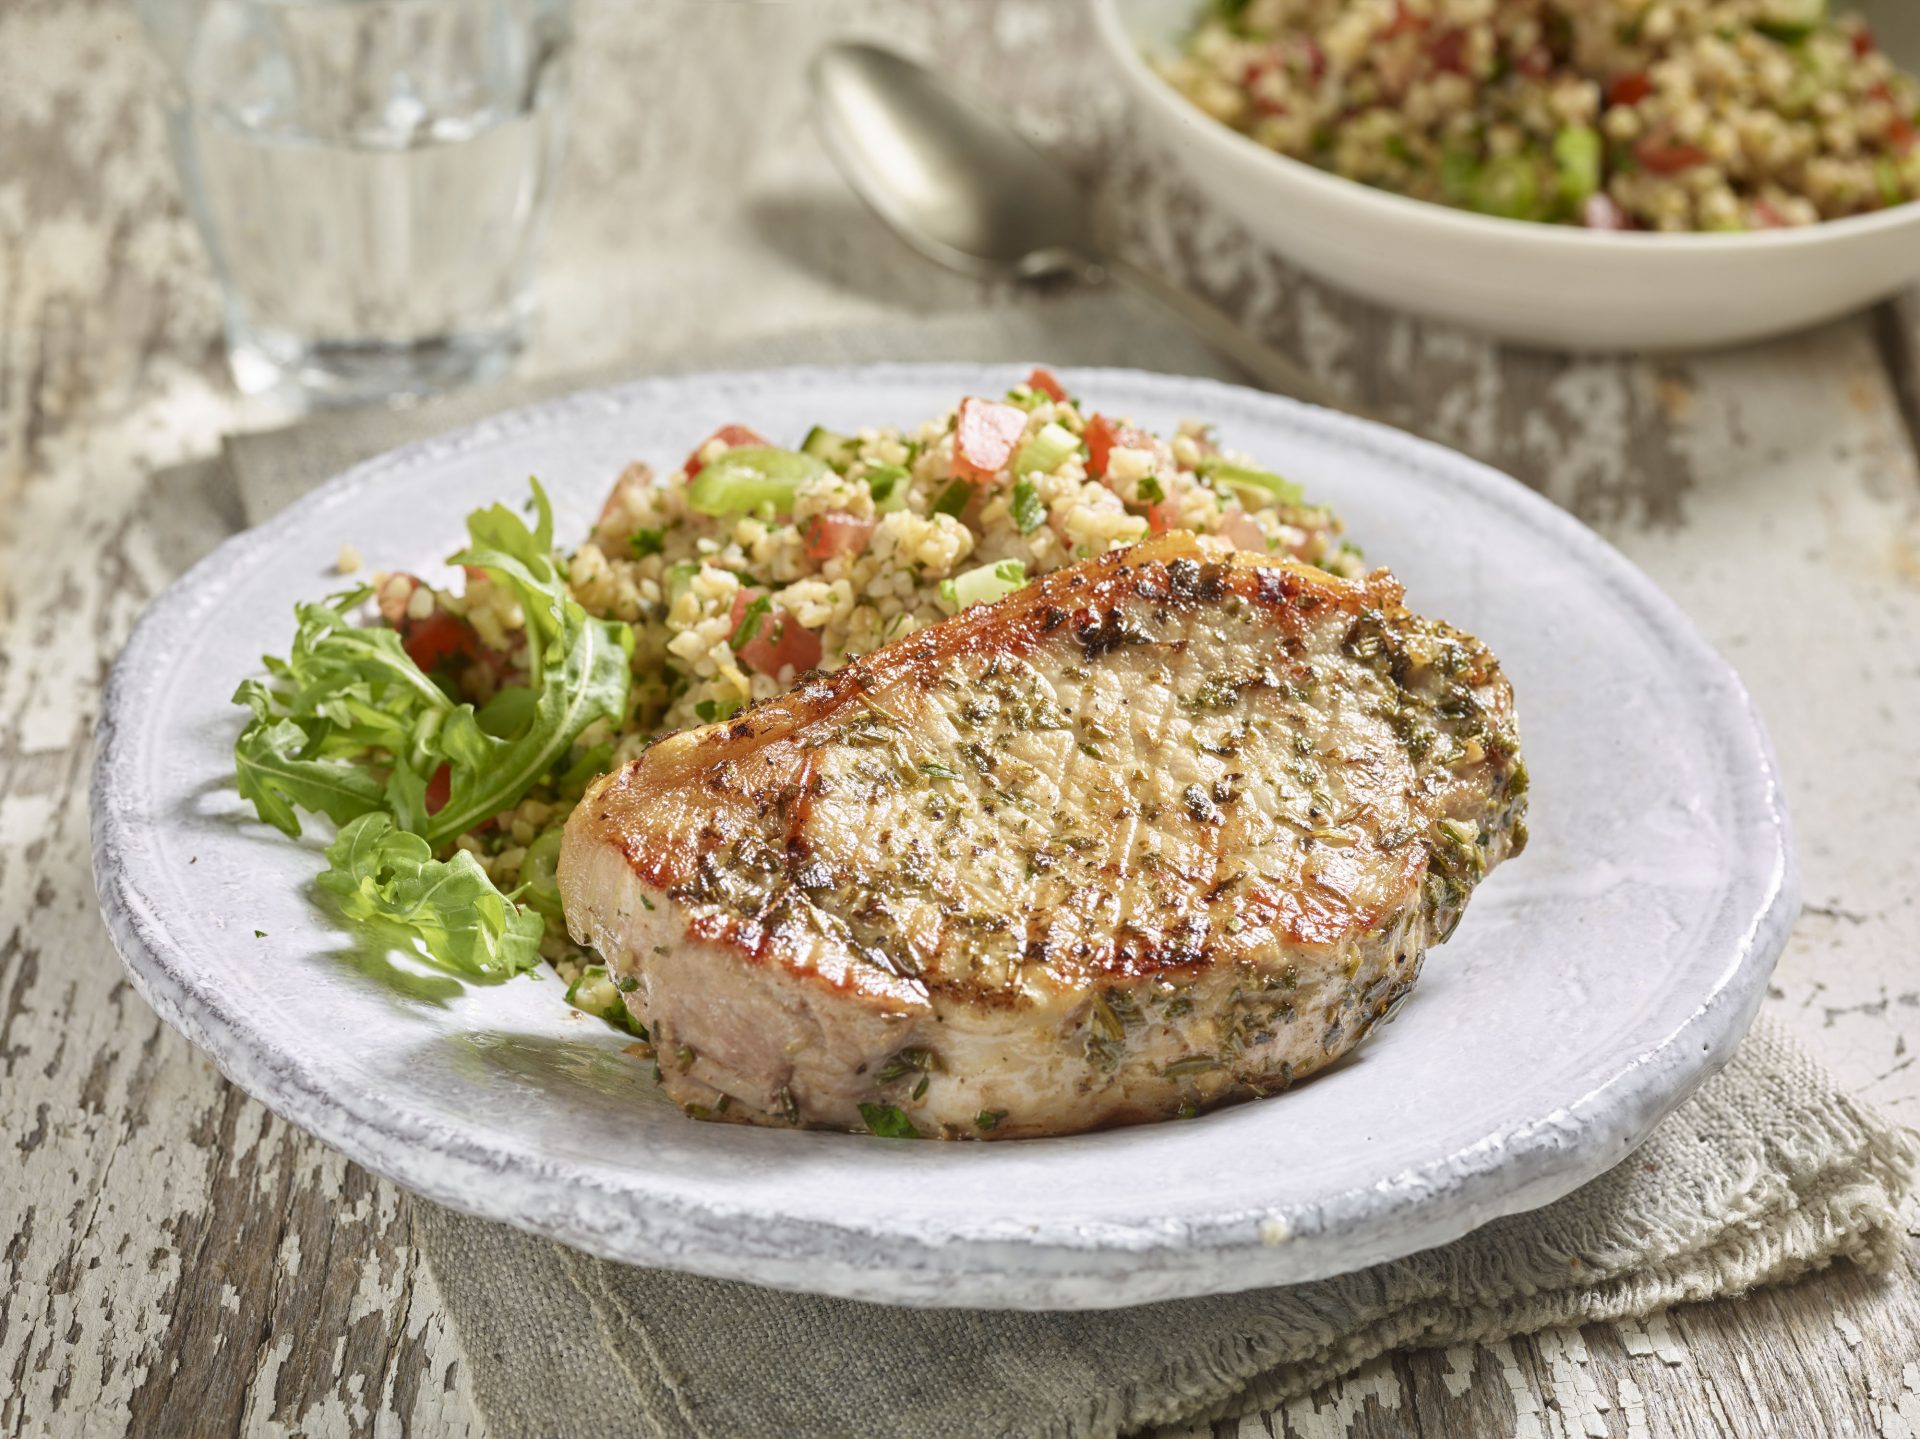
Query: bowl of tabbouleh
{"points": [[1578, 174]]}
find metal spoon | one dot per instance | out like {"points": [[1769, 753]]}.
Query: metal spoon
{"points": [[964, 188]]}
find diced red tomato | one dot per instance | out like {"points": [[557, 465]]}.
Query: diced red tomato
{"points": [[732, 434], [1768, 217], [1863, 42], [1237, 527], [1163, 515], [1312, 59], [837, 534], [777, 642], [1902, 135], [1043, 380], [1536, 63], [440, 789], [1630, 89], [1104, 436], [1665, 155], [1403, 21], [984, 437], [438, 638], [1448, 51]]}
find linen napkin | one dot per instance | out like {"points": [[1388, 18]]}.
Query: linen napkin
{"points": [[1769, 1171]]}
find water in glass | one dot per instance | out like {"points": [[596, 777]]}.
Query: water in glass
{"points": [[370, 177]]}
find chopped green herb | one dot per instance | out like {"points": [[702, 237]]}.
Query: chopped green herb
{"points": [[1192, 1064], [259, 934], [910, 1060], [938, 771], [988, 1118], [1149, 490], [646, 542], [1028, 512], [757, 610], [954, 498], [888, 1121], [713, 711]]}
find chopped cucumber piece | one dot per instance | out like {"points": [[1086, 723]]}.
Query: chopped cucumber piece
{"points": [[888, 486], [984, 585], [1245, 477], [1508, 186], [1459, 174], [595, 993], [1887, 175], [1790, 21], [1576, 154], [837, 450], [750, 476], [1045, 450]]}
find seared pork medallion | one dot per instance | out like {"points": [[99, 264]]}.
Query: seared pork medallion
{"points": [[1162, 830]]}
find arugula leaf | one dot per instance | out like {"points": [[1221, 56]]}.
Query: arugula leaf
{"points": [[348, 726], [275, 768], [380, 873], [579, 671]]}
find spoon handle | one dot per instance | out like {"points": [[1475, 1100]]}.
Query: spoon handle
{"points": [[1264, 364]]}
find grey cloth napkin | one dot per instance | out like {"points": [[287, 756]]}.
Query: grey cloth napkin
{"points": [[1768, 1172]]}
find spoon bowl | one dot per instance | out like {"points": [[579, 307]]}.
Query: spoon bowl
{"points": [[956, 181]]}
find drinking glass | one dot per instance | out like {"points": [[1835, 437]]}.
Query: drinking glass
{"points": [[370, 178]]}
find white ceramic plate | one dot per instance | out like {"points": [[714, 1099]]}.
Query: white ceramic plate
{"points": [[1552, 285], [1593, 983]]}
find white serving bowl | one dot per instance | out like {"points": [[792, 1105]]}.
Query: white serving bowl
{"points": [[1555, 286]]}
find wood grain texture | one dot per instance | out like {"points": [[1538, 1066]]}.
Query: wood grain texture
{"points": [[176, 1260]]}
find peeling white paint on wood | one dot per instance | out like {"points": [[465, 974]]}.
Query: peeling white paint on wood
{"points": [[175, 1258]]}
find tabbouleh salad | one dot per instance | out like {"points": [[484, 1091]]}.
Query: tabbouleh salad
{"points": [[1669, 115], [448, 733]]}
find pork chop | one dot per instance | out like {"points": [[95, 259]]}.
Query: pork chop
{"points": [[1160, 830]]}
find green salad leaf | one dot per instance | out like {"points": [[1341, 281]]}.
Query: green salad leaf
{"points": [[377, 872], [348, 726]]}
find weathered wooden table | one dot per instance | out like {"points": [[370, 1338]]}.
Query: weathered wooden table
{"points": [[176, 1260]]}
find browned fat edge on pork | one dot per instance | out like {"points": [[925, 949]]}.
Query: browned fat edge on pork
{"points": [[754, 880]]}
